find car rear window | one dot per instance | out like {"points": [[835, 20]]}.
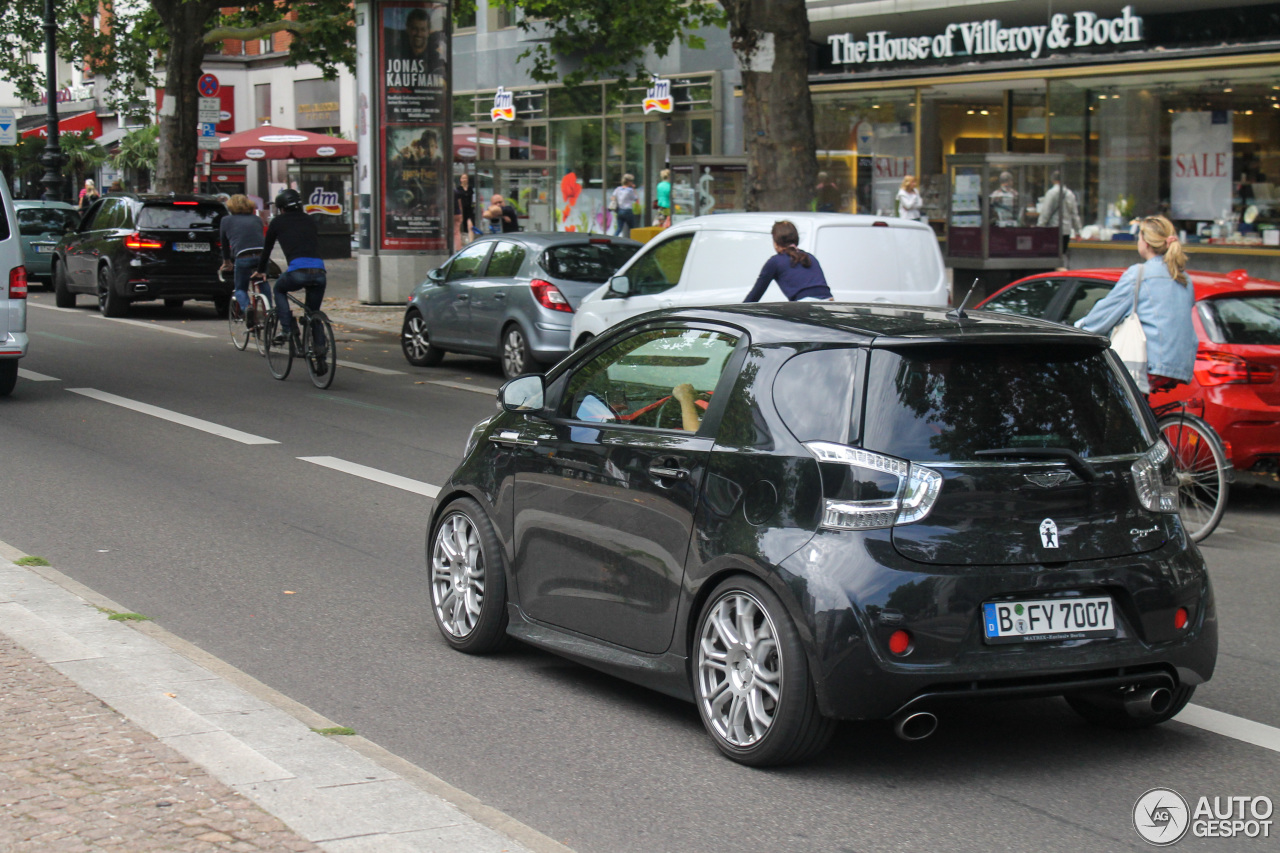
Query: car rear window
{"points": [[591, 262], [178, 216], [1242, 319], [946, 403], [38, 221]]}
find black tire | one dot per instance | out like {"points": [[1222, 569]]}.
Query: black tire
{"points": [[514, 353], [279, 356], [236, 325], [262, 312], [1203, 471], [8, 375], [176, 303], [62, 295], [794, 729], [1106, 709], [110, 303], [415, 342], [465, 530], [322, 351], [221, 305]]}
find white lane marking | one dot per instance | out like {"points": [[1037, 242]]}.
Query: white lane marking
{"points": [[155, 326], [1258, 734], [31, 304], [36, 377], [462, 386], [173, 417], [416, 486], [369, 368]]}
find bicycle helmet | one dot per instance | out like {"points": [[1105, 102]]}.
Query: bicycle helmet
{"points": [[288, 200]]}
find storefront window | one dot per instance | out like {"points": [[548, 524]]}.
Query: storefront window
{"points": [[579, 178], [866, 146], [575, 101]]}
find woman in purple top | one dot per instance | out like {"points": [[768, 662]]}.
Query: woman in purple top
{"points": [[797, 273]]}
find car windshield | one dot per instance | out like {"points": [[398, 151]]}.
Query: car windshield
{"points": [[947, 403], [1242, 319], [589, 262], [179, 216], [38, 221]]}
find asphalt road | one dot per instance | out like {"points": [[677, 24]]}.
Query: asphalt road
{"points": [[312, 580]]}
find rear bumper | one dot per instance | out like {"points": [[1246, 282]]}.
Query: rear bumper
{"points": [[549, 342], [201, 286], [14, 345], [1250, 424]]}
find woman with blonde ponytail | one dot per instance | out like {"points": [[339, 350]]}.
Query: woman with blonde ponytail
{"points": [[1164, 304]]}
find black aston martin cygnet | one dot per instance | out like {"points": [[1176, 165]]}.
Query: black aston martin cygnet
{"points": [[793, 514]]}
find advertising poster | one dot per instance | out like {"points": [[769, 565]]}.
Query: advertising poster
{"points": [[413, 94], [1200, 184]]}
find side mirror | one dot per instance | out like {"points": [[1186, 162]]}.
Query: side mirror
{"points": [[436, 275], [621, 285], [522, 394]]}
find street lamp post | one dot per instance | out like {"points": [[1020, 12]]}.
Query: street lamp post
{"points": [[52, 157]]}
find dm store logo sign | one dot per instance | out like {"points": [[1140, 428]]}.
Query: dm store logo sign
{"points": [[504, 108], [323, 201], [658, 97]]}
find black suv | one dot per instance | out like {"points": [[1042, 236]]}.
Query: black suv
{"points": [[132, 248], [797, 513]]}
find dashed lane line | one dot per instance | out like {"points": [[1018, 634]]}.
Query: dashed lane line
{"points": [[173, 417], [31, 304], [36, 377], [387, 479], [369, 368], [141, 323], [462, 386], [1227, 725]]}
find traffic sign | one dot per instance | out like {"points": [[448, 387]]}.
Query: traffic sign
{"points": [[207, 143], [208, 85], [209, 109], [8, 128]]}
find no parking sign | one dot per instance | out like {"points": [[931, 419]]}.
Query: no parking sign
{"points": [[208, 85]]}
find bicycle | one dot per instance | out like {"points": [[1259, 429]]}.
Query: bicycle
{"points": [[1201, 465], [315, 344], [244, 325]]}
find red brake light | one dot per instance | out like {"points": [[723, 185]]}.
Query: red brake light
{"points": [[137, 241], [1221, 368], [549, 296], [18, 283], [1180, 618], [191, 203], [604, 240], [879, 224], [899, 642]]}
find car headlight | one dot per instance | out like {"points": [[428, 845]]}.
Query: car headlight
{"points": [[875, 490], [1156, 492]]}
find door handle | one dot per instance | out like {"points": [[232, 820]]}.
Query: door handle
{"points": [[509, 437], [665, 473]]}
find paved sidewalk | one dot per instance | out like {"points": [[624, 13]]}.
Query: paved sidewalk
{"points": [[118, 736]]}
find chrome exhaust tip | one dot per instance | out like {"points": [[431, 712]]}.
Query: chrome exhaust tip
{"points": [[916, 725], [1151, 702]]}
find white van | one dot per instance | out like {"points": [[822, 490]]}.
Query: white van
{"points": [[13, 294], [714, 260]]}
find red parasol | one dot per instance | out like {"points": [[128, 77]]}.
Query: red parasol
{"points": [[270, 142]]}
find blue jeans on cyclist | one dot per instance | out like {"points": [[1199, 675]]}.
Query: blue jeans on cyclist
{"points": [[244, 268], [314, 282]]}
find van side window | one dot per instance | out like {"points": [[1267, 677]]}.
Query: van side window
{"points": [[659, 269]]}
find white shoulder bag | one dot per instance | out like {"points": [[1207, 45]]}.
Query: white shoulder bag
{"points": [[1130, 341]]}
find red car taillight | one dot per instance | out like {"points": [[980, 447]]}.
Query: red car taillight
{"points": [[137, 241], [549, 296], [1222, 368], [18, 283]]}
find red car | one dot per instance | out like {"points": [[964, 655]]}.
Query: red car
{"points": [[1237, 375]]}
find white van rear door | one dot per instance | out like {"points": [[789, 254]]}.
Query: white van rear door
{"points": [[723, 267], [898, 264]]}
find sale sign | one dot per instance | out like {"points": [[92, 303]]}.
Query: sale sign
{"points": [[1200, 183]]}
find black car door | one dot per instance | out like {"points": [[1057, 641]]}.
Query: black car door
{"points": [[605, 490], [78, 249]]}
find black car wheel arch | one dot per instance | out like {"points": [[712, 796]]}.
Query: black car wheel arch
{"points": [[110, 302]]}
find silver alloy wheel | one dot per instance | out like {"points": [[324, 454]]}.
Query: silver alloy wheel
{"points": [[457, 575], [416, 339], [739, 669], [513, 353]]}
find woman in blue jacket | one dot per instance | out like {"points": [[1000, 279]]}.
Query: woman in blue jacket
{"points": [[1165, 300], [797, 272]]}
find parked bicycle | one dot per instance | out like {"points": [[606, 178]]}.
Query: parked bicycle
{"points": [[1202, 467], [312, 340], [249, 322]]}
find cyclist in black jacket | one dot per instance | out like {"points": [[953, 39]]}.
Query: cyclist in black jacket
{"points": [[301, 244]]}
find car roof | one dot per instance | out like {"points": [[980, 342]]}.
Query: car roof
{"points": [[1207, 284], [877, 325], [35, 202], [546, 239], [763, 222]]}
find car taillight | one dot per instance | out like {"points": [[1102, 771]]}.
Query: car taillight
{"points": [[549, 296], [18, 283], [1222, 368], [137, 241], [879, 490], [1153, 479]]}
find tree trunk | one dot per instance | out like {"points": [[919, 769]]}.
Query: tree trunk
{"points": [[185, 24], [770, 39]]}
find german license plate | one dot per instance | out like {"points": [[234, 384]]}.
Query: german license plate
{"points": [[44, 250], [191, 247], [1048, 619]]}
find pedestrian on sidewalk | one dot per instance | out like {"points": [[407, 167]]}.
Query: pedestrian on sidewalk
{"points": [[622, 202], [909, 201], [662, 199], [797, 272], [1060, 208], [465, 200]]}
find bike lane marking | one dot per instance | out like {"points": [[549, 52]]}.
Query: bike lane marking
{"points": [[1228, 725], [32, 376], [369, 368], [173, 417], [378, 476]]}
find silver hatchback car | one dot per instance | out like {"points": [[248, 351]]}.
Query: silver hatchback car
{"points": [[509, 296], [13, 294]]}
